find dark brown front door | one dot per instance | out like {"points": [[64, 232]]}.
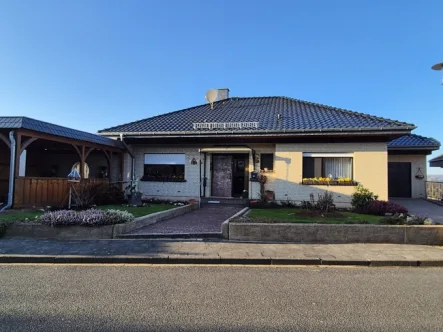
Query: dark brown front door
{"points": [[399, 179], [221, 175]]}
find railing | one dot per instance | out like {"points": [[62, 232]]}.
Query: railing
{"points": [[434, 190], [41, 192]]}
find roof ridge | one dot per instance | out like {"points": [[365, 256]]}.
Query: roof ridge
{"points": [[349, 111]]}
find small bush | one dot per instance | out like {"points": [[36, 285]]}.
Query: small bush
{"points": [[325, 202], [109, 194], [393, 220], [3, 227], [380, 208], [362, 198], [91, 217]]}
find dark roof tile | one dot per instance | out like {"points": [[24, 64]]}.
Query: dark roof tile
{"points": [[294, 115], [413, 141], [53, 129]]}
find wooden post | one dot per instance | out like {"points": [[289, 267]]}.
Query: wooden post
{"points": [[122, 166], [18, 149], [82, 163], [110, 170]]}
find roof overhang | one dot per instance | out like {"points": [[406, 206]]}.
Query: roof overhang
{"points": [[437, 161], [265, 133]]}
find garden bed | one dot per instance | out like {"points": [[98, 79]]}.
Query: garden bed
{"points": [[32, 229]]}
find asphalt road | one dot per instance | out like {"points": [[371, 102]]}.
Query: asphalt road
{"points": [[172, 298]]}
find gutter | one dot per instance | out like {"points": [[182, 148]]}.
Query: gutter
{"points": [[11, 172], [431, 148], [267, 132], [305, 134]]}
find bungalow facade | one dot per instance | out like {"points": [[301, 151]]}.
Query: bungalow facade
{"points": [[302, 148]]}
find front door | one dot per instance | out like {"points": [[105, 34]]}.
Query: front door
{"points": [[221, 175], [399, 179]]}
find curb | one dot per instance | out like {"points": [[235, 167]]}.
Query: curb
{"points": [[216, 260]]}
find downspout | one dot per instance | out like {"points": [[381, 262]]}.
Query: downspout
{"points": [[132, 159], [11, 172], [205, 180]]}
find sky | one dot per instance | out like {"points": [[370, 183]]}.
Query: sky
{"points": [[95, 64]]}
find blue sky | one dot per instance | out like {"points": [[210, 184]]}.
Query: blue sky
{"points": [[95, 64]]}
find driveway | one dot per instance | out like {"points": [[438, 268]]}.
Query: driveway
{"points": [[421, 207], [208, 219]]}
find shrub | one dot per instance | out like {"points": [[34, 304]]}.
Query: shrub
{"points": [[325, 202], [3, 227], [362, 198], [109, 194], [393, 220], [380, 208], [91, 217]]}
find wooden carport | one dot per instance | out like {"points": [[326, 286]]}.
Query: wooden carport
{"points": [[53, 141]]}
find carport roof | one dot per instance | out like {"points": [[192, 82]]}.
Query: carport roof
{"points": [[18, 122]]}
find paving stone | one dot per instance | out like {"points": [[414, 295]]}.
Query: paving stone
{"points": [[208, 219]]}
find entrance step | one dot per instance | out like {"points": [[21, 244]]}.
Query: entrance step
{"points": [[214, 201]]}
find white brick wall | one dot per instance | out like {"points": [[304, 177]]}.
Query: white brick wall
{"points": [[174, 190]]}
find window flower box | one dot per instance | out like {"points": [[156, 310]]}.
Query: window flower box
{"points": [[162, 179], [329, 182]]}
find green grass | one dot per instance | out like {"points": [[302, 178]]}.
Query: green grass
{"points": [[138, 211], [290, 215], [13, 215]]}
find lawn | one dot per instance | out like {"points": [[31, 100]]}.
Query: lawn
{"points": [[304, 216], [13, 215], [139, 211]]}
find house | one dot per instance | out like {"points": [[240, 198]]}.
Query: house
{"points": [[36, 158], [221, 151]]}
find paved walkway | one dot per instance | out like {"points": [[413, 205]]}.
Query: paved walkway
{"points": [[422, 208], [167, 251], [207, 219]]}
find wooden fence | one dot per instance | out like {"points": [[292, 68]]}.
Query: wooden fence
{"points": [[434, 190], [41, 192]]}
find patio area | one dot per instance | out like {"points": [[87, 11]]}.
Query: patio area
{"points": [[422, 208]]}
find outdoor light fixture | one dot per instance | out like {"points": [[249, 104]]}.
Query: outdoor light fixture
{"points": [[439, 66]]}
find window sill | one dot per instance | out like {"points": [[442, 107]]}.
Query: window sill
{"points": [[163, 180], [329, 183]]}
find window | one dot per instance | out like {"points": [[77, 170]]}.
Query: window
{"points": [[266, 162], [333, 167], [164, 167]]}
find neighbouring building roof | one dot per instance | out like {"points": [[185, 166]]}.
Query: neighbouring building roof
{"points": [[437, 161], [16, 122], [259, 115], [413, 141]]}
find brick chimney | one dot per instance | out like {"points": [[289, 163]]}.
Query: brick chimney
{"points": [[222, 94]]}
